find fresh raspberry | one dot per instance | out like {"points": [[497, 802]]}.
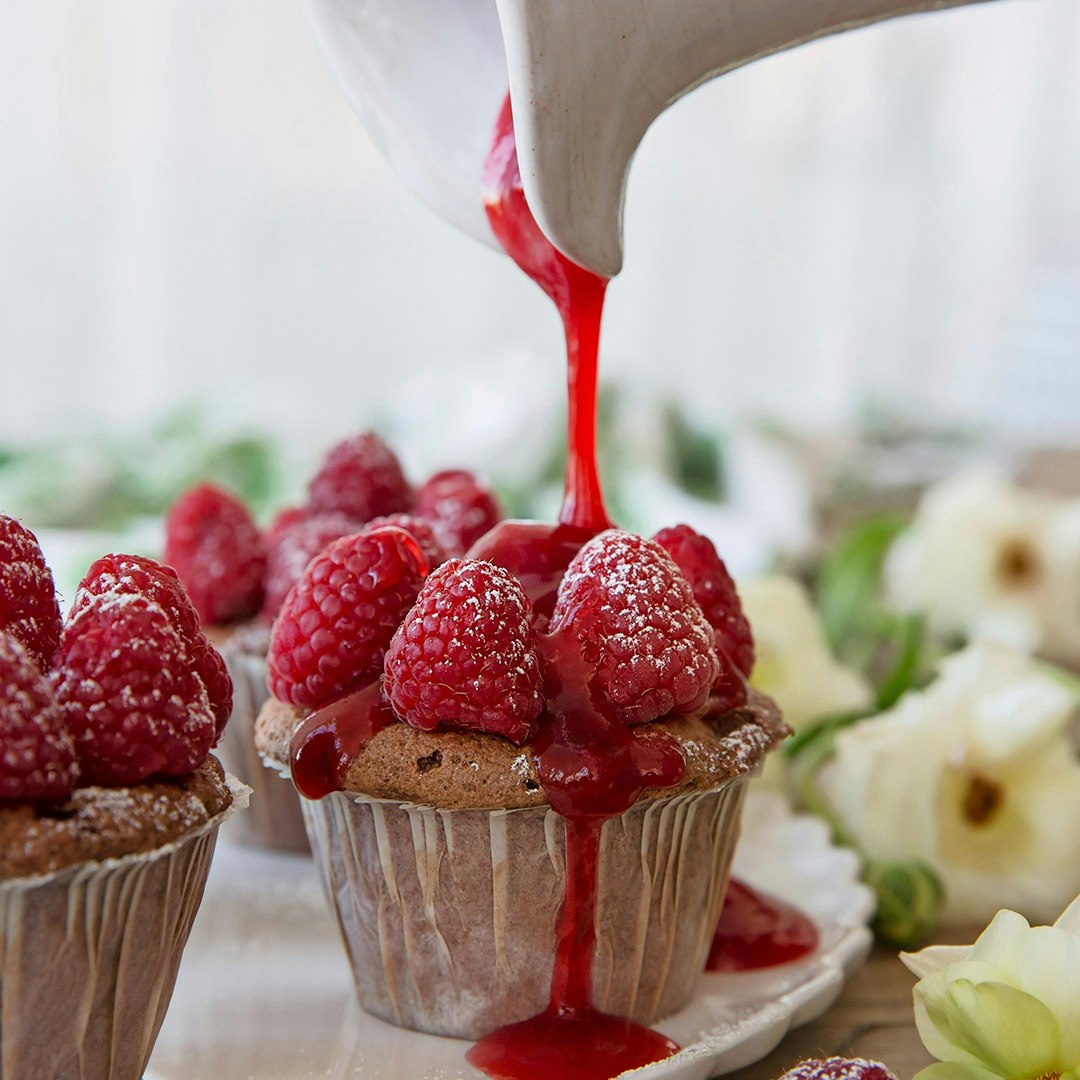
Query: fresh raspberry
{"points": [[128, 693], [28, 607], [838, 1068], [293, 547], [464, 657], [37, 756], [214, 674], [460, 508], [125, 574], [362, 478], [337, 620], [285, 520], [420, 530], [714, 590], [218, 552], [114, 575], [638, 625]]}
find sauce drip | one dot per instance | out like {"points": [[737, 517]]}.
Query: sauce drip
{"points": [[756, 930], [327, 741], [579, 296], [591, 769], [537, 554]]}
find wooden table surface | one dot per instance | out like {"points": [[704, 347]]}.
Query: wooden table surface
{"points": [[873, 1018]]}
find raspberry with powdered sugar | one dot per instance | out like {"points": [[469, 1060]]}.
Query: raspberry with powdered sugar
{"points": [[133, 690], [420, 530], [338, 619], [37, 757], [464, 656], [839, 1068], [218, 552], [639, 628], [116, 574], [128, 693], [293, 547], [715, 592], [28, 607], [460, 507], [361, 478]]}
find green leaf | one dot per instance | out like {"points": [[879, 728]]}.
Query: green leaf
{"points": [[848, 581], [819, 730], [908, 646], [246, 466], [695, 457]]}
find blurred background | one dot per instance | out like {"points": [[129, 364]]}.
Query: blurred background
{"points": [[866, 244]]}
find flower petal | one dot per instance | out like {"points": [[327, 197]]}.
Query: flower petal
{"points": [[933, 1024], [933, 958], [1069, 919], [1010, 1031], [1048, 967], [1002, 940], [952, 1071]]}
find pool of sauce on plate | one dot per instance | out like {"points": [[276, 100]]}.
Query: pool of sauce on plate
{"points": [[757, 930]]}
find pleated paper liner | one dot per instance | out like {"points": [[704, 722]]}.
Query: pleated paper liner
{"points": [[89, 955], [449, 916], [274, 819]]}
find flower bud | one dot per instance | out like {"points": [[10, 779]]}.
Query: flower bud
{"points": [[910, 897]]}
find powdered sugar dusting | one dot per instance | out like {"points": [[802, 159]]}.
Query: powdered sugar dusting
{"points": [[28, 605], [464, 657], [838, 1068], [37, 756], [639, 625], [128, 692]]}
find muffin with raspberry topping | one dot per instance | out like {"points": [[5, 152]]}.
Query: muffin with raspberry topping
{"points": [[109, 807], [484, 743], [238, 578]]}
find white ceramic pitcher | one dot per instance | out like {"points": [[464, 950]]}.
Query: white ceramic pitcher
{"points": [[587, 78]]}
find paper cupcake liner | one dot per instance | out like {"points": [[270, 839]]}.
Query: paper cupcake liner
{"points": [[274, 819], [89, 955], [449, 916]]}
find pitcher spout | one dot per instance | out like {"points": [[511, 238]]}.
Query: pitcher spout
{"points": [[586, 81]]}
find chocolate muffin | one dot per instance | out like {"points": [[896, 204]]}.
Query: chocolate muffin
{"points": [[445, 865], [109, 808], [97, 897], [475, 761]]}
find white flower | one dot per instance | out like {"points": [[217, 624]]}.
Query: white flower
{"points": [[984, 558], [1007, 1006], [976, 777], [794, 665]]}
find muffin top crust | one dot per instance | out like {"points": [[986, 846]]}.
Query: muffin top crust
{"points": [[98, 823], [469, 770]]}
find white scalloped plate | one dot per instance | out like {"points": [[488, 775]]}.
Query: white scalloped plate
{"points": [[265, 994]]}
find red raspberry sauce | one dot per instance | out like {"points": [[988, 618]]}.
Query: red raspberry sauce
{"points": [[579, 296], [327, 741], [536, 553], [591, 769], [759, 931]]}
